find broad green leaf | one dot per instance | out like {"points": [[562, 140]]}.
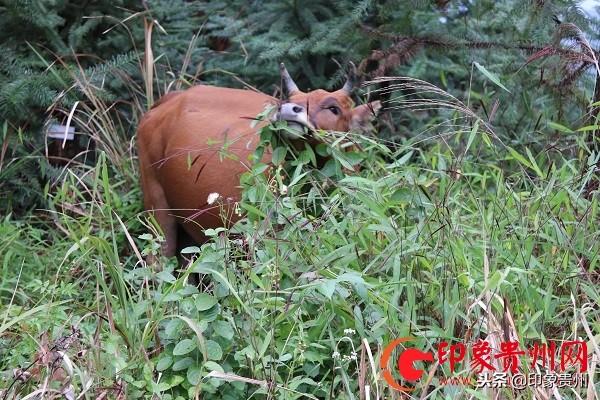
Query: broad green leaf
{"points": [[173, 329], [205, 301], [182, 364], [223, 329], [327, 288], [213, 350], [190, 250], [164, 363], [166, 276], [403, 195], [213, 366], [184, 347], [279, 155], [193, 375], [175, 380]]}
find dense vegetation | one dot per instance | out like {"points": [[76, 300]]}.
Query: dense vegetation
{"points": [[474, 214]]}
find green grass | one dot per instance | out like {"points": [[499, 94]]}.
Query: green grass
{"points": [[420, 242]]}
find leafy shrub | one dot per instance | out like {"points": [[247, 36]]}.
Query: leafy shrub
{"points": [[325, 262]]}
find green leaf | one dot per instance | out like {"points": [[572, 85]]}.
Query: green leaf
{"points": [[534, 165], [589, 128], [403, 195], [308, 155], [166, 276], [184, 347], [194, 375], [198, 328], [213, 350], [472, 136], [401, 161], [190, 250], [327, 288], [213, 366], [491, 76], [323, 150], [515, 154], [223, 329], [164, 363], [175, 380], [173, 329], [182, 364], [205, 301], [265, 344], [279, 155], [559, 127], [209, 315], [253, 210]]}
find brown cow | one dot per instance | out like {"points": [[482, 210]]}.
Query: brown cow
{"points": [[195, 143]]}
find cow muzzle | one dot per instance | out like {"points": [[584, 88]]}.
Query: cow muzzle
{"points": [[296, 117]]}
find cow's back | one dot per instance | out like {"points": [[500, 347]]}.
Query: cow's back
{"points": [[194, 143]]}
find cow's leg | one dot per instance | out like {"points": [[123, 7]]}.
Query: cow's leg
{"points": [[155, 200], [168, 224], [185, 261]]}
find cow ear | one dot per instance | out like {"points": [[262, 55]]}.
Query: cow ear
{"points": [[363, 115]]}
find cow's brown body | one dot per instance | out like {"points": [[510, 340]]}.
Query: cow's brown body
{"points": [[197, 142]]}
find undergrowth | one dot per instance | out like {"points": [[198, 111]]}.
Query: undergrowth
{"points": [[298, 299]]}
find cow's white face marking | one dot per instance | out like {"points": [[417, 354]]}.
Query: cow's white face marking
{"points": [[297, 119]]}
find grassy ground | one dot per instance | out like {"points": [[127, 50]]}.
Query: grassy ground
{"points": [[420, 243]]}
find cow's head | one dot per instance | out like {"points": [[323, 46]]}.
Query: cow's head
{"points": [[325, 110]]}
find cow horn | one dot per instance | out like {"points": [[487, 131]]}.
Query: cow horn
{"points": [[351, 80], [288, 82]]}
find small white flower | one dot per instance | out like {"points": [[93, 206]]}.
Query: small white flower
{"points": [[283, 190], [349, 332], [335, 355], [212, 198], [353, 355], [237, 209]]}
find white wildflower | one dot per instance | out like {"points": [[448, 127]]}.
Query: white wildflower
{"points": [[212, 198], [335, 355], [349, 332], [353, 355], [283, 190]]}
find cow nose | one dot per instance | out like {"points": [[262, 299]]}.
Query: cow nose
{"points": [[292, 112]]}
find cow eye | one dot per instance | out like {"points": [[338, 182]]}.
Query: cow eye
{"points": [[334, 110]]}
